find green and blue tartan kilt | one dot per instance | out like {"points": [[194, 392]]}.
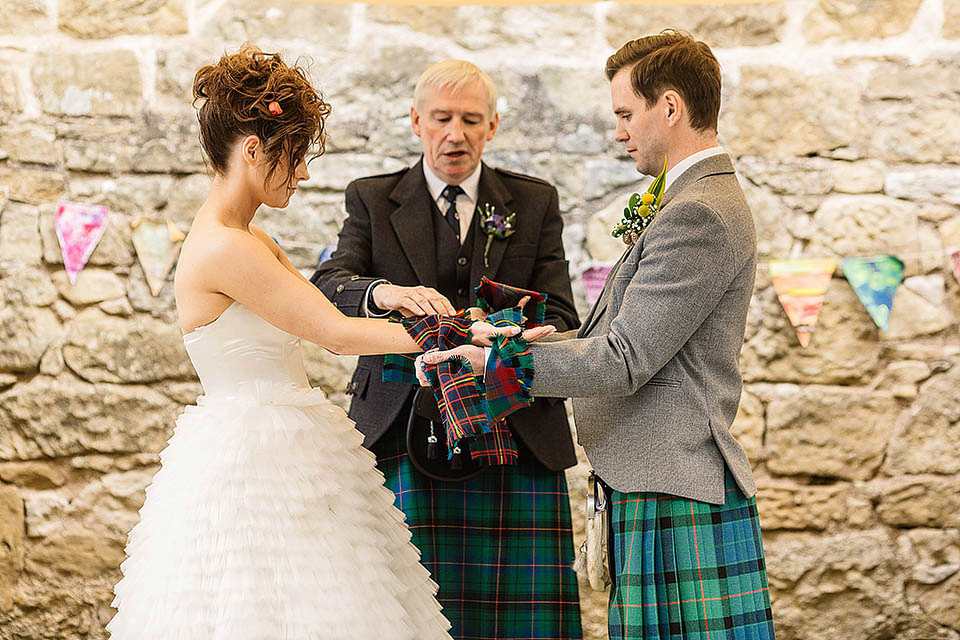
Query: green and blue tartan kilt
{"points": [[499, 545], [688, 570]]}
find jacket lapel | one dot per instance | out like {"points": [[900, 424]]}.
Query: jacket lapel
{"points": [[490, 190], [413, 225], [709, 166]]}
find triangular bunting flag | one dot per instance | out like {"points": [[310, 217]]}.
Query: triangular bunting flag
{"points": [[800, 285], [79, 229], [875, 280], [157, 244], [326, 253], [955, 262], [593, 280]]}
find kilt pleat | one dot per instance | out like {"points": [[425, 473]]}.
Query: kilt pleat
{"points": [[499, 545], [688, 570]]}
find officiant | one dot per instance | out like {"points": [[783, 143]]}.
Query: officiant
{"points": [[496, 537]]}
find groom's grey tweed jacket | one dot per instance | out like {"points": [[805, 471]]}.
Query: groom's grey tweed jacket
{"points": [[654, 369]]}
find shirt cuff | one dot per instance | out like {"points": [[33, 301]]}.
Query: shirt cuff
{"points": [[365, 305], [486, 359]]}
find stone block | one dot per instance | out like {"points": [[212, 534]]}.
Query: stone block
{"points": [[951, 18], [273, 20], [912, 132], [897, 79], [157, 143], [748, 426], [76, 554], [105, 83], [23, 16], [857, 225], [922, 183], [32, 186], [858, 19], [826, 587], [33, 474], [787, 505], [913, 316], [61, 417], [11, 544], [727, 25], [20, 243], [917, 501], [93, 285], [862, 176], [25, 333], [928, 437], [30, 143], [96, 20], [779, 112], [835, 432], [103, 348]]}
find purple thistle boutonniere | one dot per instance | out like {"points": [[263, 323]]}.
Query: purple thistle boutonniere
{"points": [[495, 226]]}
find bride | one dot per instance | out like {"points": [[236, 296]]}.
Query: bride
{"points": [[267, 519]]}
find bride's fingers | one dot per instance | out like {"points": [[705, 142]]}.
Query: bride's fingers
{"points": [[523, 301], [532, 335], [436, 357]]}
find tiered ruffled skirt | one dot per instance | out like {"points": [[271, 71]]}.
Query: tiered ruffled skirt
{"points": [[268, 520]]}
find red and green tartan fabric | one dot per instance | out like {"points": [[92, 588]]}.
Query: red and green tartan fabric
{"points": [[494, 296], [470, 408]]}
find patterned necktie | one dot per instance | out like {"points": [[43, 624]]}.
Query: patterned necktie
{"points": [[450, 193]]}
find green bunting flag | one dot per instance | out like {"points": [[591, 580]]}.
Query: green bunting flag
{"points": [[875, 280]]}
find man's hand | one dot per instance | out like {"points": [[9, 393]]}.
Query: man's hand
{"points": [[474, 354], [482, 334], [411, 301]]}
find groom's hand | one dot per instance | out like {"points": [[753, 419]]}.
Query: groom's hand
{"points": [[411, 301]]}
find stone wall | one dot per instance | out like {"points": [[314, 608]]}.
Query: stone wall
{"points": [[842, 117]]}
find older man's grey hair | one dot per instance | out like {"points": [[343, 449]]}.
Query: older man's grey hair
{"points": [[454, 75]]}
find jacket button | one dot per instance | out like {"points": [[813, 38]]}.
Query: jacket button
{"points": [[461, 291], [354, 277], [339, 288], [462, 261]]}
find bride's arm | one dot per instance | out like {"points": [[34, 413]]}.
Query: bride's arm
{"points": [[246, 269]]}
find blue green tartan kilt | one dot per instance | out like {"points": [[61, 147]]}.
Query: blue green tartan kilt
{"points": [[688, 570], [499, 545]]}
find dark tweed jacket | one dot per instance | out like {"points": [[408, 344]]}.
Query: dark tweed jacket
{"points": [[389, 233]]}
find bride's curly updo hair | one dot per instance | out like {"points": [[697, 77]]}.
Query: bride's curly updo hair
{"points": [[255, 93]]}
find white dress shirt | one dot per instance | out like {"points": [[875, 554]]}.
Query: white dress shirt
{"points": [[680, 168]]}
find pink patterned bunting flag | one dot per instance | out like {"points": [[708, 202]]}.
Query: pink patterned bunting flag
{"points": [[593, 281], [800, 285], [157, 243], [955, 263], [79, 229]]}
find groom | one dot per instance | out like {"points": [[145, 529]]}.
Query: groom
{"points": [[654, 369]]}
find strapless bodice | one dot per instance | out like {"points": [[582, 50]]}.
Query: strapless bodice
{"points": [[240, 349]]}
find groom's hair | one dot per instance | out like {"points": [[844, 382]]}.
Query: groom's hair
{"points": [[673, 60]]}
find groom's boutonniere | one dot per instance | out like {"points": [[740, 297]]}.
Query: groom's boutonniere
{"points": [[495, 226], [638, 215]]}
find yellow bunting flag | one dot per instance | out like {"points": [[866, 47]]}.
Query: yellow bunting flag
{"points": [[157, 243], [800, 285]]}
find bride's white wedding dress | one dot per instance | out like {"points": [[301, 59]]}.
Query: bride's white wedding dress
{"points": [[267, 519]]}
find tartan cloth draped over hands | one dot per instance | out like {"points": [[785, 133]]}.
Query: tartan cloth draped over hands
{"points": [[469, 407]]}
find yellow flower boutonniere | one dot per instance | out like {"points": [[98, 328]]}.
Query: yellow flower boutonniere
{"points": [[638, 215]]}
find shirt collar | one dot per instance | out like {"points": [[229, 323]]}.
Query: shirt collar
{"points": [[470, 186], [681, 167]]}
